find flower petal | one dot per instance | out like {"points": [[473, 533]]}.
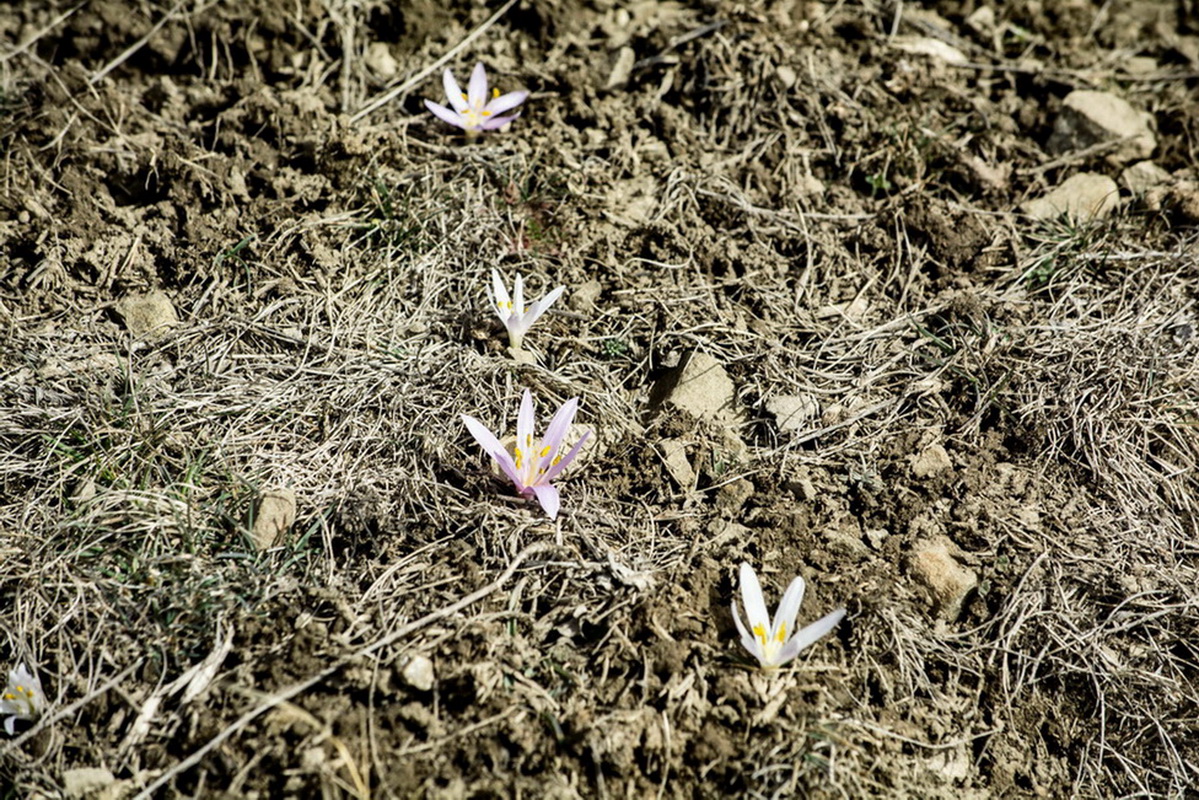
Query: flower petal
{"points": [[476, 90], [518, 296], [810, 634], [453, 92], [541, 306], [494, 448], [494, 123], [525, 423], [557, 427], [788, 608], [547, 495], [499, 296], [445, 114], [564, 462], [751, 598], [748, 640], [506, 102], [9, 725]]}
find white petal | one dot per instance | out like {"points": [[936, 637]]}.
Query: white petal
{"points": [[751, 598], [788, 608], [810, 634], [476, 90], [518, 299], [499, 295], [541, 306], [494, 448], [453, 92], [748, 640], [547, 495], [445, 114], [506, 102], [525, 423]]}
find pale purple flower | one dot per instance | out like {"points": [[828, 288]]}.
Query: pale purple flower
{"points": [[472, 111], [516, 318], [23, 698], [532, 465], [767, 641]]}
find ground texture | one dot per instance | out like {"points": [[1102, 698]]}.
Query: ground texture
{"points": [[251, 550]]}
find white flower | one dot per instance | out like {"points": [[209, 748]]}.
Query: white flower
{"points": [[23, 697], [768, 641], [472, 111], [516, 318]]}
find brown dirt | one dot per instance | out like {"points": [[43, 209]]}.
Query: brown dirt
{"points": [[778, 185]]}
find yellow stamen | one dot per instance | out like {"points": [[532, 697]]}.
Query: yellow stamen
{"points": [[782, 634], [495, 92], [545, 451], [10, 696], [760, 632]]}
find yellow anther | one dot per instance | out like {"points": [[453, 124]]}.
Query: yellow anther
{"points": [[495, 92], [760, 632], [545, 451], [486, 113], [782, 634], [10, 696]]}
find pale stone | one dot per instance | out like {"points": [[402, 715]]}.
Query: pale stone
{"points": [[622, 68], [793, 412], [1083, 197], [674, 456], [932, 563], [144, 313], [1143, 176], [927, 46], [699, 386], [933, 460], [786, 75], [274, 515], [418, 673], [1089, 118], [85, 781], [380, 61]]}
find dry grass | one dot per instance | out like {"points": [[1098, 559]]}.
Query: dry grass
{"points": [[333, 327]]}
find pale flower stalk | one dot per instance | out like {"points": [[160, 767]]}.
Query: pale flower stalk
{"points": [[23, 698], [533, 464], [511, 308], [768, 641], [471, 110]]}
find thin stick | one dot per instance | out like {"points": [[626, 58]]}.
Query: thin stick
{"points": [[296, 688], [429, 70]]}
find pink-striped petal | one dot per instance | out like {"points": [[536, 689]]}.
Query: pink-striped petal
{"points": [[556, 469], [495, 123], [494, 448]]}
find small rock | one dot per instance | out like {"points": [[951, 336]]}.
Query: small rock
{"points": [[982, 21], [927, 46], [786, 76], [418, 673], [674, 456], [844, 538], [622, 68], [86, 781], [733, 495], [521, 356], [1083, 197], [584, 296], [699, 386], [144, 313], [950, 583], [1143, 176], [380, 61], [933, 460], [876, 537], [274, 515], [1089, 118], [792, 412]]}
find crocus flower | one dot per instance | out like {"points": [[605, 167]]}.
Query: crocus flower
{"points": [[516, 318], [22, 699], [768, 641], [532, 465], [471, 110]]}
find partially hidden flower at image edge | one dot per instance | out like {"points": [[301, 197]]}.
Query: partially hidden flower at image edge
{"points": [[472, 110], [767, 640], [511, 308], [23, 698], [533, 464]]}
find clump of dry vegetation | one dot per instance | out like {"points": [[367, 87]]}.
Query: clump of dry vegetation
{"points": [[250, 549]]}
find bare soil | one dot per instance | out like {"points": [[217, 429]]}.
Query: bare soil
{"points": [[797, 189]]}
